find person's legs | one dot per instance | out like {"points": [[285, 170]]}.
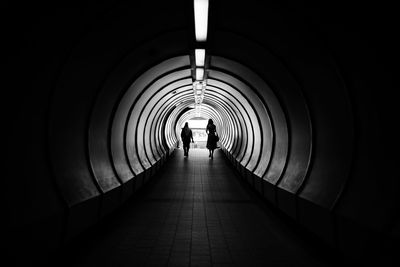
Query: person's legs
{"points": [[185, 149], [212, 153]]}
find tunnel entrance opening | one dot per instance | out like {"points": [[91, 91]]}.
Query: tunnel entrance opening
{"points": [[198, 126]]}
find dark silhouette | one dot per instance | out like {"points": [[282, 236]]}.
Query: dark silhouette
{"points": [[212, 138], [186, 136]]}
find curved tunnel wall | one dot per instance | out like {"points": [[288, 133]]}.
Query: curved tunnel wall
{"points": [[103, 107]]}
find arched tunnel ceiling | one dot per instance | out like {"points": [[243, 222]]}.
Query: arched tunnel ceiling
{"points": [[269, 132], [232, 91], [303, 99]]}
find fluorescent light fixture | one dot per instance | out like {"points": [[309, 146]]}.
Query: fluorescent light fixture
{"points": [[199, 74], [201, 19], [200, 56]]}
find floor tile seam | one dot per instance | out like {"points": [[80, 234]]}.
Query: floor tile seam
{"points": [[191, 233], [218, 185], [224, 235], [232, 223], [160, 231], [150, 251], [175, 229], [239, 234], [205, 218], [206, 207]]}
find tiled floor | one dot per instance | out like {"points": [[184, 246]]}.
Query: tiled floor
{"points": [[195, 213]]}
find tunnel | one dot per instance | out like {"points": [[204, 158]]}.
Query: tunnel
{"points": [[303, 97]]}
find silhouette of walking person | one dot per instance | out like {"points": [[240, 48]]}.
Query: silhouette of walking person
{"points": [[186, 136], [212, 138]]}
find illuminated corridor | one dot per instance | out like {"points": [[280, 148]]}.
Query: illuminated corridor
{"points": [[304, 99]]}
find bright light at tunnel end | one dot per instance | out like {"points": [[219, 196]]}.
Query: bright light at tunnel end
{"points": [[201, 19]]}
